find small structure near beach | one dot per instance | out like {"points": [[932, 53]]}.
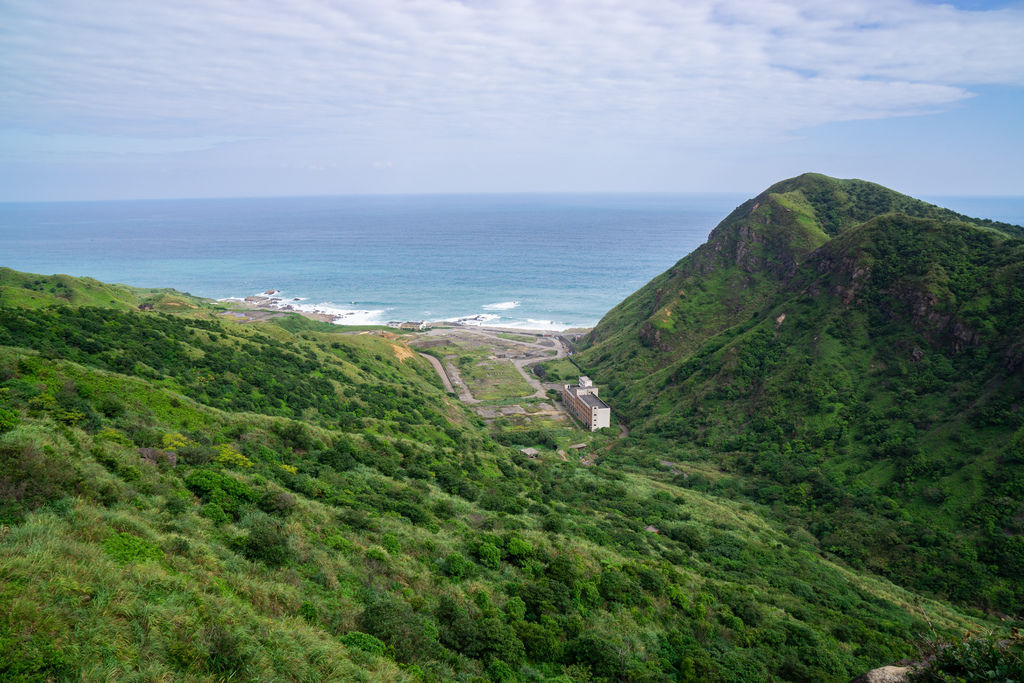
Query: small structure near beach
{"points": [[582, 401], [413, 325]]}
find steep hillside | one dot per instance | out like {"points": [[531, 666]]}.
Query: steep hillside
{"points": [[186, 498], [735, 273], [855, 358]]}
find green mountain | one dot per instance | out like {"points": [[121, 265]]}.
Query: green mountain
{"points": [[183, 496], [852, 358]]}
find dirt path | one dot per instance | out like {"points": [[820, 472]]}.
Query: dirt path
{"points": [[440, 372], [520, 365], [532, 352], [623, 433], [460, 385]]}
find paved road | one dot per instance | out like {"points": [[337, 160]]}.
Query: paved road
{"points": [[453, 373], [521, 363], [453, 380], [440, 372]]}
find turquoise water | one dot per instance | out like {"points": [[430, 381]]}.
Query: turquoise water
{"points": [[536, 261]]}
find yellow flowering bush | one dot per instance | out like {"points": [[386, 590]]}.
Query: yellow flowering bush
{"points": [[227, 455]]}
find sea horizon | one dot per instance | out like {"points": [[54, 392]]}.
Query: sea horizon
{"points": [[519, 260]]}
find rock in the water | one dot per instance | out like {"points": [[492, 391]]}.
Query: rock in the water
{"points": [[884, 674]]}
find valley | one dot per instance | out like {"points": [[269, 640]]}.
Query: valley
{"points": [[822, 472]]}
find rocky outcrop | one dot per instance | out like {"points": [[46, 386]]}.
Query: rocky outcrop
{"points": [[884, 674], [849, 275], [651, 338], [155, 456]]}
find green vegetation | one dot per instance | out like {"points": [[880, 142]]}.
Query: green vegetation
{"points": [[26, 290], [517, 337], [489, 378], [984, 658], [376, 529], [869, 386], [561, 370], [185, 497]]}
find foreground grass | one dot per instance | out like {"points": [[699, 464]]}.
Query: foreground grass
{"points": [[168, 521]]}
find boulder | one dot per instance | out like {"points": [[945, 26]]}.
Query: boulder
{"points": [[884, 674]]}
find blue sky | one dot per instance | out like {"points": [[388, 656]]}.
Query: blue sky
{"points": [[102, 99]]}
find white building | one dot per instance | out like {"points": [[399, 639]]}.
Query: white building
{"points": [[582, 401]]}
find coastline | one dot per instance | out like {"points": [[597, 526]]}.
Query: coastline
{"points": [[270, 302]]}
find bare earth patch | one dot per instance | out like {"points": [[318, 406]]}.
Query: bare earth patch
{"points": [[402, 353]]}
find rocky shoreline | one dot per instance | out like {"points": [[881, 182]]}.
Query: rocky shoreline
{"points": [[269, 300]]}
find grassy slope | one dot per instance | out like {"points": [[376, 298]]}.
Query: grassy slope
{"points": [[33, 291], [872, 387], [746, 257], [368, 530]]}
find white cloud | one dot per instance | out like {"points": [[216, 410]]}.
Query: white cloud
{"points": [[386, 73]]}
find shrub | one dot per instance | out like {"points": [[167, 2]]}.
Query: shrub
{"points": [[409, 634], [597, 653], [498, 670], [277, 502], [229, 493], [126, 548], [553, 522], [542, 644], [35, 659], [489, 555], [391, 543], [195, 454], [377, 553], [518, 549], [8, 420], [267, 542], [688, 535], [617, 587], [225, 650], [457, 566], [177, 502], [365, 642], [972, 659], [215, 513], [30, 477], [227, 455]]}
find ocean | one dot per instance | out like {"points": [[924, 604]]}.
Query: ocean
{"points": [[543, 261]]}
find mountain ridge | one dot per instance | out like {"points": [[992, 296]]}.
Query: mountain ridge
{"points": [[765, 237], [886, 359]]}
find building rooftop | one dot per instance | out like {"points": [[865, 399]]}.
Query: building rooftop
{"points": [[592, 401]]}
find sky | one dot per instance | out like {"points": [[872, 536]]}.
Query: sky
{"points": [[102, 99]]}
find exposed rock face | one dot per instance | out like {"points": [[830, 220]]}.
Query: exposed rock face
{"points": [[850, 275], [651, 337], [155, 456], [884, 674]]}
